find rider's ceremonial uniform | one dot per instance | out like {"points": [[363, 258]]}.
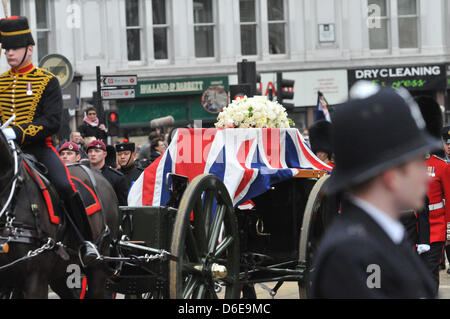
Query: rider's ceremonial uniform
{"points": [[34, 96]]}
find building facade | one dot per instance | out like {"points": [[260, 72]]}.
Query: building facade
{"points": [[324, 45]]}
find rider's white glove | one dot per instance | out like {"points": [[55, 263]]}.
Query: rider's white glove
{"points": [[9, 133], [422, 248]]}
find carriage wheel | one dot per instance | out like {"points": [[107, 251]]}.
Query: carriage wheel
{"points": [[206, 241], [315, 219]]}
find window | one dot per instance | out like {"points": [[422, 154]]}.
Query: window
{"points": [[204, 28], [277, 26], [42, 28], [407, 23], [134, 30], [378, 25], [160, 29], [247, 9], [16, 8]]}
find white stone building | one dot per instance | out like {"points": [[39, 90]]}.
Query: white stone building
{"points": [[322, 44]]}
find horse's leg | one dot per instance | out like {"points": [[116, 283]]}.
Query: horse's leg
{"points": [[96, 280], [60, 287], [36, 286]]}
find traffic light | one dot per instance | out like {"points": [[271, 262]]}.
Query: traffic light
{"points": [[283, 94], [247, 75], [240, 90], [112, 121]]}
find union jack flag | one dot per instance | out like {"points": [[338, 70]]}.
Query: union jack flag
{"points": [[322, 112], [248, 161]]}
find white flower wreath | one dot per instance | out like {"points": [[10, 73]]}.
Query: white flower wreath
{"points": [[254, 112]]}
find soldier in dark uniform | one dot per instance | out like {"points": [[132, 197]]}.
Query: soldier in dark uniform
{"points": [[126, 157], [380, 141], [97, 153], [320, 141], [33, 95]]}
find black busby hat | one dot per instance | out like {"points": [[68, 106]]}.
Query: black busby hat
{"points": [[15, 33], [432, 114], [446, 134], [125, 146], [378, 128], [320, 137]]}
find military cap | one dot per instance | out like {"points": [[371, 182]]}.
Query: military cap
{"points": [[97, 144], [15, 33], [432, 114], [125, 146], [446, 134], [71, 146], [320, 137]]}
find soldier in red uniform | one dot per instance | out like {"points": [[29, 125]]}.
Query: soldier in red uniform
{"points": [[432, 240]]}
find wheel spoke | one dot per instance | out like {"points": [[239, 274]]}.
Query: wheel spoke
{"points": [[189, 269], [226, 242], [216, 228], [200, 292], [192, 249], [199, 226], [191, 284], [208, 204]]}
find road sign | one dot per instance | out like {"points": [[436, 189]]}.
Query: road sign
{"points": [[118, 94], [119, 80]]}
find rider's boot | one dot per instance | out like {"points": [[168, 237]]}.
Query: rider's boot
{"points": [[88, 252]]}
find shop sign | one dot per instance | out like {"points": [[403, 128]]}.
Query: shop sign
{"points": [[418, 77], [179, 86]]}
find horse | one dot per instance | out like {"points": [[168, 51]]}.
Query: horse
{"points": [[38, 256]]}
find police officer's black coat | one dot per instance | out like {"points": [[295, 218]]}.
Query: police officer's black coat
{"points": [[351, 247], [118, 182]]}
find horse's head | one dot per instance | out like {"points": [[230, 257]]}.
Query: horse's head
{"points": [[6, 160]]}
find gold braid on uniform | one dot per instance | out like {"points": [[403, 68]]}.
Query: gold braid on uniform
{"points": [[15, 100]]}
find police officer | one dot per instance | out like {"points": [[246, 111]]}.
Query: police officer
{"points": [[33, 95], [97, 154], [126, 157], [380, 142]]}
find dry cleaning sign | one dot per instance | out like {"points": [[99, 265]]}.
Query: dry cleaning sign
{"points": [[419, 77]]}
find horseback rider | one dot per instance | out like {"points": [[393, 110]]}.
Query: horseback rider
{"points": [[33, 95]]}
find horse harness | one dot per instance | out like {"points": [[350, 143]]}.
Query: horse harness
{"points": [[12, 231]]}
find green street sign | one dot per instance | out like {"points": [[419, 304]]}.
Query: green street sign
{"points": [[171, 87]]}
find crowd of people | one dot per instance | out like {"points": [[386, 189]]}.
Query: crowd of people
{"points": [[392, 232], [389, 154], [121, 164]]}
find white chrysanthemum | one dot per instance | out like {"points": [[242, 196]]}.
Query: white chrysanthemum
{"points": [[256, 112]]}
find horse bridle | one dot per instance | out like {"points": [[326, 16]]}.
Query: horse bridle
{"points": [[15, 177], [49, 243]]}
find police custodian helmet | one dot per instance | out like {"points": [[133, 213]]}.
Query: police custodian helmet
{"points": [[378, 128], [15, 33]]}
